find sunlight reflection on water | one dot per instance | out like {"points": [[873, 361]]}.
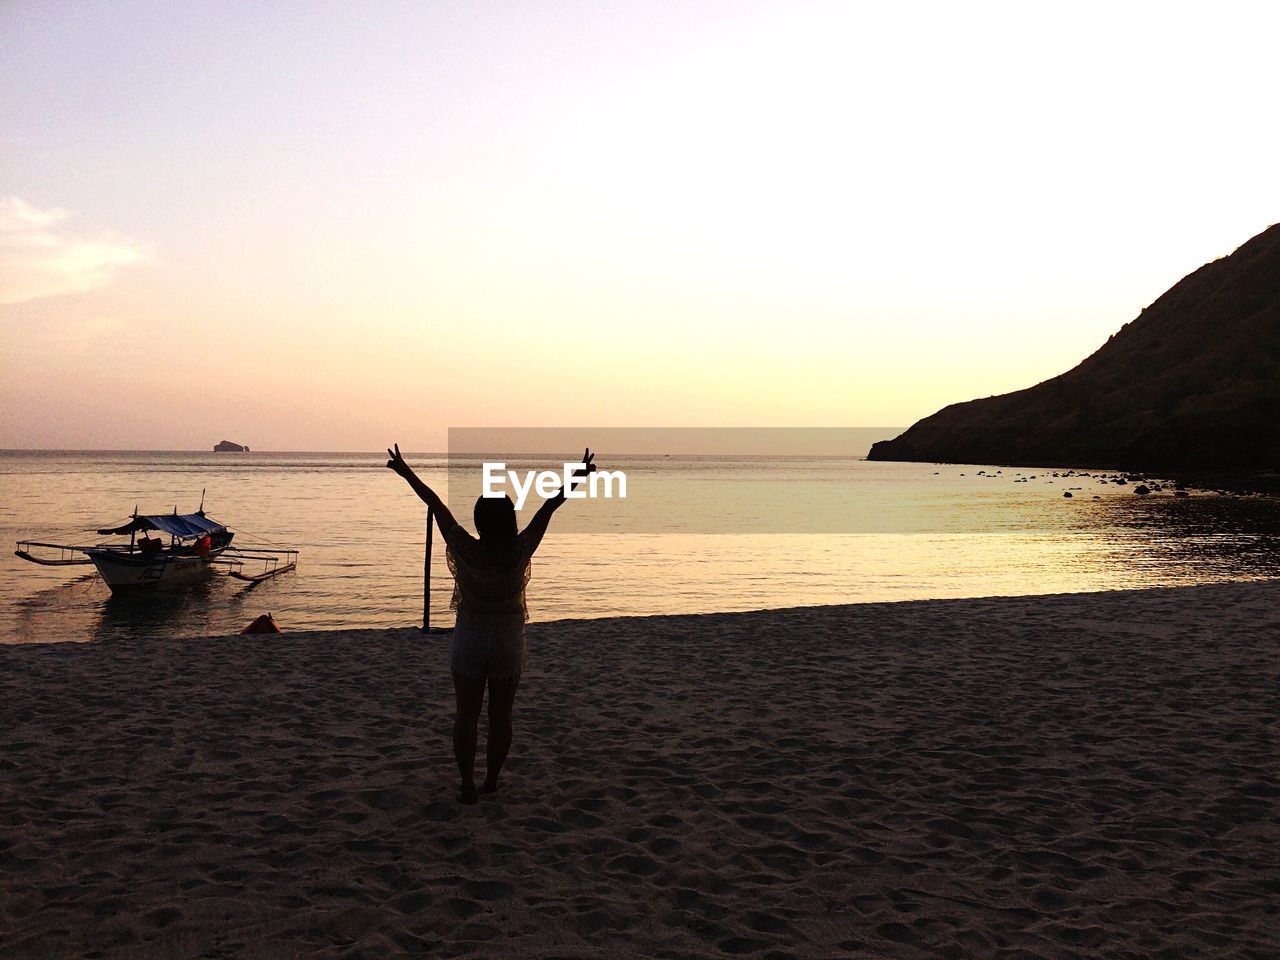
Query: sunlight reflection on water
{"points": [[360, 531]]}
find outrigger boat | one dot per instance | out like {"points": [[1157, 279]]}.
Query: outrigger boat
{"points": [[198, 545]]}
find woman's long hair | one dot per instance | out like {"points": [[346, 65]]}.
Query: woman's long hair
{"points": [[496, 522]]}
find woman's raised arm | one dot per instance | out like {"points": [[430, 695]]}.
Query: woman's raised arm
{"points": [[441, 509], [538, 525]]}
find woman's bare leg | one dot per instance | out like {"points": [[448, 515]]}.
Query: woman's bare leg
{"points": [[469, 693], [502, 694]]}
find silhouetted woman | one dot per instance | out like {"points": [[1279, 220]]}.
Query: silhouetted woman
{"points": [[490, 574]]}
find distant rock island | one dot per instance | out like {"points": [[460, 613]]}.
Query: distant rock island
{"points": [[226, 446], [1193, 383]]}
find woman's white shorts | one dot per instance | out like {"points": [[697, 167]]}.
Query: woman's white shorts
{"points": [[492, 649]]}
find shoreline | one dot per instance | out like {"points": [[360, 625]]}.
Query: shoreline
{"points": [[1244, 481], [443, 632], [1041, 776]]}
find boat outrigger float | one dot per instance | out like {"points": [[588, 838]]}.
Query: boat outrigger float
{"points": [[198, 545]]}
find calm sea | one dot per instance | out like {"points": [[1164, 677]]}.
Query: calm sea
{"points": [[951, 531]]}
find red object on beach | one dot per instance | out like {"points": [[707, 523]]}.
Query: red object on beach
{"points": [[264, 624]]}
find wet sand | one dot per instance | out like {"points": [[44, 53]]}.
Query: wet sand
{"points": [[1089, 774]]}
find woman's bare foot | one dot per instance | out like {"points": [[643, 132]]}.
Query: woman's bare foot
{"points": [[468, 794]]}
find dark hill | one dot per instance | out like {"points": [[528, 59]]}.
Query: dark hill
{"points": [[1192, 384]]}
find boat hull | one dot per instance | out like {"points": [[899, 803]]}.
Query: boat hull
{"points": [[129, 572]]}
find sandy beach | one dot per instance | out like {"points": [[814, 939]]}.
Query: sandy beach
{"points": [[1065, 776]]}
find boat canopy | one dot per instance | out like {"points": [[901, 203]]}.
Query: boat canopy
{"points": [[184, 526]]}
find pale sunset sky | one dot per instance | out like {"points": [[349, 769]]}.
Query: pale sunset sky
{"points": [[330, 225]]}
